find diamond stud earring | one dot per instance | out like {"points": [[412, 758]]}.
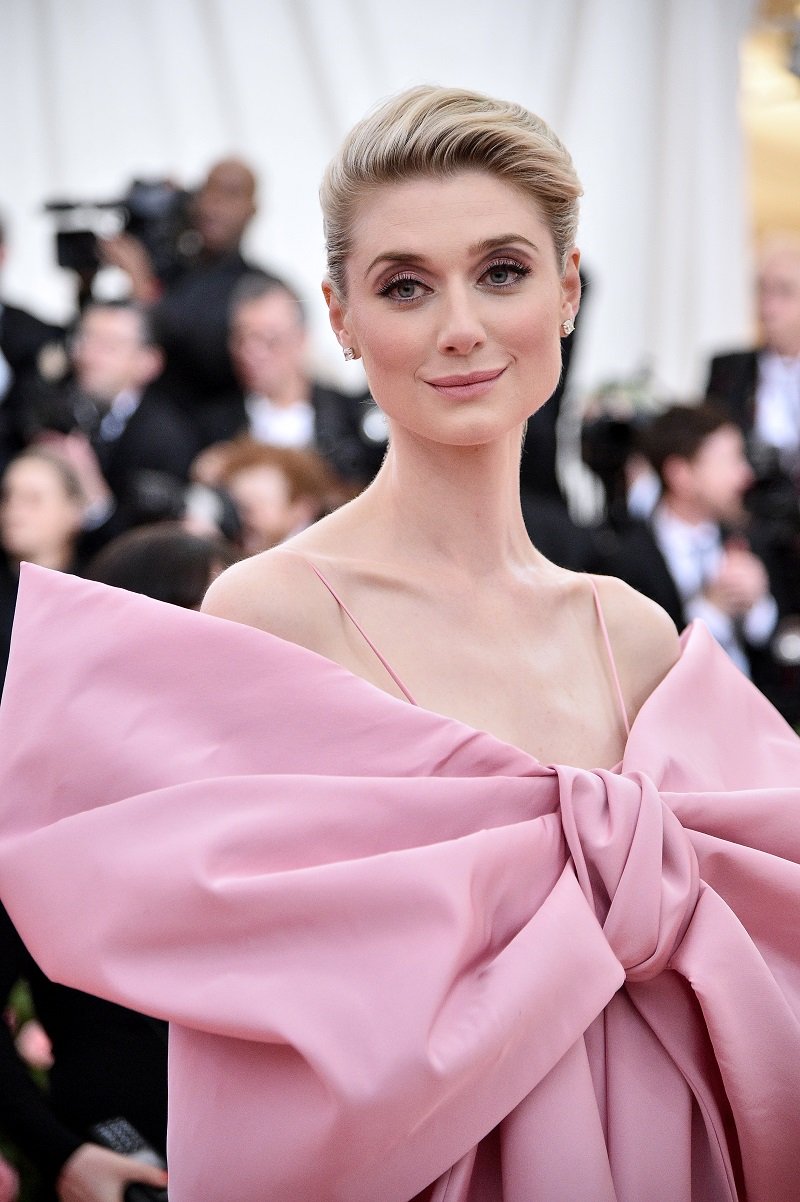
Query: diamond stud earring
{"points": [[348, 353], [567, 326]]}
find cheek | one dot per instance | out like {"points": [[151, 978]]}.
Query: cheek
{"points": [[534, 334], [390, 349], [537, 347]]}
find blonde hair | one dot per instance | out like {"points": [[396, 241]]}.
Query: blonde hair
{"points": [[434, 131]]}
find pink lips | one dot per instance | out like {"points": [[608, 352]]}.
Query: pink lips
{"points": [[475, 383]]}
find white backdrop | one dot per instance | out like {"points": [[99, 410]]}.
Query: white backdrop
{"points": [[644, 93]]}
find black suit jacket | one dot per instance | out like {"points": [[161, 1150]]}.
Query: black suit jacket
{"points": [[191, 321], [732, 381], [22, 337], [632, 554], [340, 436], [146, 468], [339, 433], [157, 437], [109, 1061]]}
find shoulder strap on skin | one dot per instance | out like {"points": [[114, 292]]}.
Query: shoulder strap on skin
{"points": [[360, 630], [612, 662]]}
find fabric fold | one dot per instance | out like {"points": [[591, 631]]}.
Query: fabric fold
{"points": [[395, 950]]}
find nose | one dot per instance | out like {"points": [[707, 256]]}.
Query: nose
{"points": [[461, 329]]}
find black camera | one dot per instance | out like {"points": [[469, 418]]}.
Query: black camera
{"points": [[153, 211], [118, 1135]]}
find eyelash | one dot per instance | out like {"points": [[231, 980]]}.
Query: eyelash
{"points": [[520, 270], [402, 278]]}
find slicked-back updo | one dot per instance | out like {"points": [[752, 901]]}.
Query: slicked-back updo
{"points": [[431, 131]]}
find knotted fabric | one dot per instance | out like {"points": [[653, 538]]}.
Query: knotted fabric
{"points": [[400, 957], [635, 864]]}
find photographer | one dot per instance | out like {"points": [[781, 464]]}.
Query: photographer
{"points": [[190, 299], [699, 554], [112, 423]]}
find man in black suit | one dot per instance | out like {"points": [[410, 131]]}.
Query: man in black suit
{"points": [[694, 556], [280, 404], [125, 438], [189, 302], [760, 388]]}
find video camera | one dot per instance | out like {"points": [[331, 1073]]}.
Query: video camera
{"points": [[155, 212]]}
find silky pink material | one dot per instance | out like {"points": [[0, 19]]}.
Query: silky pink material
{"points": [[395, 950]]}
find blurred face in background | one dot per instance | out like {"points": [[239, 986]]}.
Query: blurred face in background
{"points": [[39, 517], [110, 355], [779, 299], [268, 344], [224, 205], [262, 496], [716, 479]]}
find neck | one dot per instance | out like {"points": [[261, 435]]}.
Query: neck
{"points": [[789, 348], [686, 510], [456, 507], [288, 391]]}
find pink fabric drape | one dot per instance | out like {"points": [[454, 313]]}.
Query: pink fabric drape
{"points": [[395, 950]]}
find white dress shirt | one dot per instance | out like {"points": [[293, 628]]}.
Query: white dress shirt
{"points": [[777, 417], [280, 425], [6, 374], [693, 554], [118, 414]]}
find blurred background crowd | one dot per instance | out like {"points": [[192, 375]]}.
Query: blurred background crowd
{"points": [[166, 408]]}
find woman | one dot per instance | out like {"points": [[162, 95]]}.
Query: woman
{"points": [[430, 920], [277, 491], [41, 515], [454, 283]]}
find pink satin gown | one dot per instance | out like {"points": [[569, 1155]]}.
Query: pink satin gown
{"points": [[399, 956]]}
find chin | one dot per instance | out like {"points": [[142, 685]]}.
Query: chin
{"points": [[478, 434]]}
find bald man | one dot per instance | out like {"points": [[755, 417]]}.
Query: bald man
{"points": [[189, 308], [760, 388]]}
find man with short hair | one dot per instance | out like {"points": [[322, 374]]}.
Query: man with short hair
{"points": [[283, 406], [693, 556], [120, 432], [132, 426], [760, 388], [190, 305]]}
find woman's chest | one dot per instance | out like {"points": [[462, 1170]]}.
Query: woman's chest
{"points": [[550, 697]]}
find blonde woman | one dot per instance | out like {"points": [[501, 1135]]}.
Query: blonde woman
{"points": [[458, 877]]}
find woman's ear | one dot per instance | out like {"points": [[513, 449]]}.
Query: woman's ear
{"points": [[336, 315], [571, 285]]}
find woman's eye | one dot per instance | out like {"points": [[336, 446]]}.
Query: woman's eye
{"points": [[402, 288], [502, 275]]}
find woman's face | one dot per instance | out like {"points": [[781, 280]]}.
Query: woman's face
{"points": [[454, 304], [262, 496], [36, 514]]}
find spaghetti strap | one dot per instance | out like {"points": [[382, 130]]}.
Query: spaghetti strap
{"points": [[612, 662], [359, 628]]}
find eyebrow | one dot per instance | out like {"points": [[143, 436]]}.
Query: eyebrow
{"points": [[486, 246]]}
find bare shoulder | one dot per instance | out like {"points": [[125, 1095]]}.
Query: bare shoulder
{"points": [[275, 591], [643, 638]]}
